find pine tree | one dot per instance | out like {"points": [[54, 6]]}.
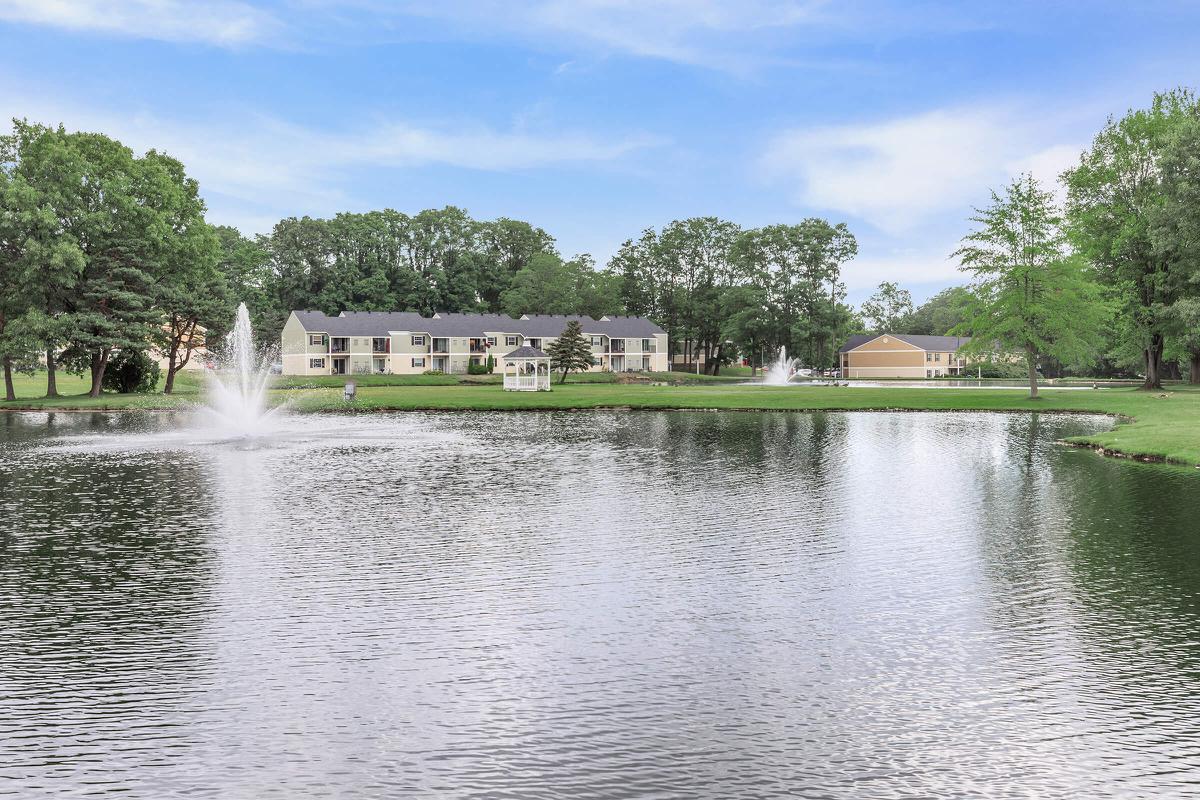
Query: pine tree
{"points": [[571, 352]]}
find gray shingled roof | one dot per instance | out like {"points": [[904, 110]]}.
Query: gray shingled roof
{"points": [[378, 323], [945, 344], [526, 352]]}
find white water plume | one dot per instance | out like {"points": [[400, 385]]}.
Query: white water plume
{"points": [[237, 401], [783, 370]]}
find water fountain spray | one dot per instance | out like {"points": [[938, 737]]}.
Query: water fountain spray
{"points": [[238, 387], [782, 371]]}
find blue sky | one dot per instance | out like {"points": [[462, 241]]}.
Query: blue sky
{"points": [[597, 118]]}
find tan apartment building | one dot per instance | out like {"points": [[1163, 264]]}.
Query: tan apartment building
{"points": [[889, 355], [404, 342]]}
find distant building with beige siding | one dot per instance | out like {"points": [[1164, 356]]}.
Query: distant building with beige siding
{"points": [[889, 355], [404, 342]]}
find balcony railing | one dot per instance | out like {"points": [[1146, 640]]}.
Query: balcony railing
{"points": [[616, 347]]}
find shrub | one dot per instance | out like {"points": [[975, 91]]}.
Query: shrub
{"points": [[491, 364], [478, 369], [131, 371], [433, 372]]}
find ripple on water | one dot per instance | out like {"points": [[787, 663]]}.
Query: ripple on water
{"points": [[594, 605]]}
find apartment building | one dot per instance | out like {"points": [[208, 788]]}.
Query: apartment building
{"points": [[404, 342], [889, 355]]}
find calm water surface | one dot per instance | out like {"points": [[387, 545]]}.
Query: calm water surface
{"points": [[599, 605]]}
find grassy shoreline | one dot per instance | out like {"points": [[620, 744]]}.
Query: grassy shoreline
{"points": [[1154, 426]]}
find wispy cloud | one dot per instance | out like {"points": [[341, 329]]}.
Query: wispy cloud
{"points": [[708, 33], [898, 174], [717, 34], [218, 22], [272, 166], [911, 264]]}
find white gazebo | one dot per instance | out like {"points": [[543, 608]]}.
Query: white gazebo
{"points": [[526, 369]]}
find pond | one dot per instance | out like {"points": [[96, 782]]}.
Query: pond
{"points": [[595, 605]]}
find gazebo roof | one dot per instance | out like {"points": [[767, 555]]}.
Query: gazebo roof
{"points": [[525, 354]]}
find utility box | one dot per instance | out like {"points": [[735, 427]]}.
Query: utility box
{"points": [[350, 391]]}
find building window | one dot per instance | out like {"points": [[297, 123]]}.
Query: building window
{"points": [[928, 373], [491, 341], [535, 342], [937, 356], [929, 358], [646, 363], [316, 339], [597, 341], [510, 341], [418, 362], [316, 363], [418, 341]]}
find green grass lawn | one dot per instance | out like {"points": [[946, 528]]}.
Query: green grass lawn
{"points": [[1161, 425], [494, 379], [31, 394]]}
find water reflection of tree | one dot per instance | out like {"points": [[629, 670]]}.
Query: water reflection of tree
{"points": [[1092, 593]]}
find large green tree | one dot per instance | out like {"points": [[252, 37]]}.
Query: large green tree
{"points": [[1114, 194], [887, 308], [43, 177], [1175, 238], [1032, 296], [245, 266], [937, 316], [799, 267], [747, 322], [546, 285]]}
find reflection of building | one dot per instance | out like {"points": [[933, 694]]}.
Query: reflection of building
{"points": [[361, 342], [887, 355]]}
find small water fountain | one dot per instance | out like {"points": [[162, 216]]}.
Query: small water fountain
{"points": [[237, 396], [783, 370]]}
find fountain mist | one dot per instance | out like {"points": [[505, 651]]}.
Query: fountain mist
{"points": [[783, 370], [238, 387]]}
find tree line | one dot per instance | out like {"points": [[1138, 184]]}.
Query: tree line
{"points": [[103, 252], [717, 290]]}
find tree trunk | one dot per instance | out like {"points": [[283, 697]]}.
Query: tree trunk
{"points": [[99, 363], [1194, 370], [172, 366], [563, 379], [1153, 356], [1031, 362], [10, 393], [51, 374]]}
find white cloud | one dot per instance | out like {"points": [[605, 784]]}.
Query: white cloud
{"points": [[907, 265], [902, 173], [263, 167], [1046, 165], [710, 33], [219, 22]]}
